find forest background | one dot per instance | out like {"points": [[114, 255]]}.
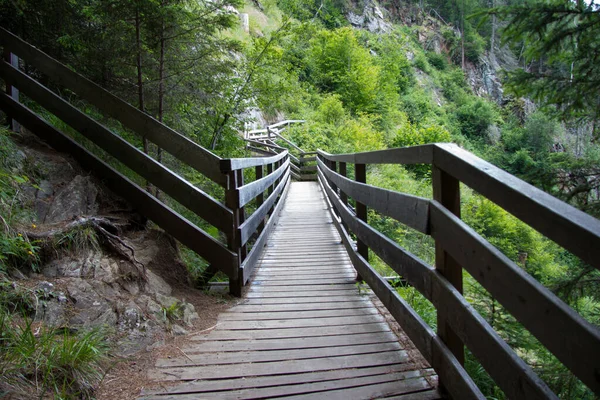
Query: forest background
{"points": [[515, 82]]}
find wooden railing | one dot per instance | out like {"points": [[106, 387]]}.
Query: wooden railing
{"points": [[229, 218], [573, 340]]}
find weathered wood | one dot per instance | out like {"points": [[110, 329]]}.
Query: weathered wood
{"points": [[247, 229], [360, 175], [200, 358], [248, 192], [410, 210], [513, 375], [573, 229], [12, 91], [461, 385], [180, 228], [574, 341], [250, 262], [232, 315], [260, 151], [394, 372], [229, 164], [446, 191], [280, 367], [178, 145], [203, 345], [407, 155]]}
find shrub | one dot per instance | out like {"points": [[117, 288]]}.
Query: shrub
{"points": [[475, 116], [47, 362]]}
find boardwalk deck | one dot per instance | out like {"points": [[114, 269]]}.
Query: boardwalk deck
{"points": [[303, 331]]}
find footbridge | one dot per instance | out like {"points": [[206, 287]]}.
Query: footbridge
{"points": [[291, 232]]}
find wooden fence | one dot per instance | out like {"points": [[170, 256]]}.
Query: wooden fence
{"points": [[229, 218], [574, 341]]}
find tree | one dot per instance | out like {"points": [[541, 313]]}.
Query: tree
{"points": [[562, 52]]}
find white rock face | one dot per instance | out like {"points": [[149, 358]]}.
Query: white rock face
{"points": [[371, 19]]}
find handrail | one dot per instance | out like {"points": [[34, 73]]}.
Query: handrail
{"points": [[574, 341], [228, 218], [142, 124]]}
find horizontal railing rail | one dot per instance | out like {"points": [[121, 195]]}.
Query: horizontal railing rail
{"points": [[573, 340], [139, 122], [227, 218]]}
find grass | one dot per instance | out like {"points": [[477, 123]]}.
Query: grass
{"points": [[37, 362]]}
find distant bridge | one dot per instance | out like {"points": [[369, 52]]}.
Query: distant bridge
{"points": [[304, 330]]}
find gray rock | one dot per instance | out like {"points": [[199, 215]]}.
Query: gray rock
{"points": [[166, 301], [156, 284], [52, 312], [78, 198], [371, 19], [44, 289], [189, 314], [178, 330], [91, 309]]}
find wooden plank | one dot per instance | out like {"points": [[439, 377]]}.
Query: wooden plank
{"points": [[406, 155], [277, 306], [371, 391], [300, 323], [278, 367], [300, 300], [178, 188], [199, 358], [230, 164], [180, 228], [296, 333], [282, 294], [574, 341], [573, 229], [395, 383], [425, 395], [410, 210], [280, 380], [248, 192], [291, 343], [178, 145], [446, 190], [232, 315]]}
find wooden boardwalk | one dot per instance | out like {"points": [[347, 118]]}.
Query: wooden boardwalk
{"points": [[303, 331]]}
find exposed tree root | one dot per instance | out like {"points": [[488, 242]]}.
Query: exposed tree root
{"points": [[106, 231]]}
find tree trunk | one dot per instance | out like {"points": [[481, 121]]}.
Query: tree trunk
{"points": [[140, 81], [161, 90]]}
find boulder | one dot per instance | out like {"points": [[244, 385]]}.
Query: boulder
{"points": [[78, 198]]}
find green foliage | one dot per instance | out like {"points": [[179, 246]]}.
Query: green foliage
{"points": [[438, 61], [341, 65], [46, 362], [560, 38], [475, 116]]}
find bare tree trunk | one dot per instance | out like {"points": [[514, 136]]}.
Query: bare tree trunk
{"points": [[140, 81], [161, 90]]}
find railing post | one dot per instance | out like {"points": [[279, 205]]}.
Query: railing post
{"points": [[233, 239], [360, 175], [260, 198], [12, 91], [270, 171], [333, 166], [344, 173], [446, 191]]}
